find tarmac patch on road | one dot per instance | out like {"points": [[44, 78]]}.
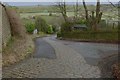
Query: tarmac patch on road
{"points": [[43, 49]]}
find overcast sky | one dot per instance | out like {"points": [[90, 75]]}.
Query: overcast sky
{"points": [[42, 2], [55, 0]]}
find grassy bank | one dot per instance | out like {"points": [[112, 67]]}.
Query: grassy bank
{"points": [[17, 50]]}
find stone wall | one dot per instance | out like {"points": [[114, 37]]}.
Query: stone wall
{"points": [[0, 41], [6, 31], [0, 28]]}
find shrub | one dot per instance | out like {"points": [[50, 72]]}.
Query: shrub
{"points": [[81, 21], [59, 34], [54, 28], [40, 24], [49, 29], [30, 27], [50, 14], [66, 27]]}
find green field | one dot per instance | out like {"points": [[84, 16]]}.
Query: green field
{"points": [[26, 15], [53, 20], [106, 15], [109, 12], [28, 12]]}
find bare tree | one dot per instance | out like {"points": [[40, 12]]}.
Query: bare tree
{"points": [[76, 10], [93, 20], [114, 4], [62, 7], [117, 7]]}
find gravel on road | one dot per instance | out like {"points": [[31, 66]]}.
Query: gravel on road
{"points": [[67, 64]]}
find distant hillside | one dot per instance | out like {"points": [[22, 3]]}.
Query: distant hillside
{"points": [[109, 12], [52, 8]]}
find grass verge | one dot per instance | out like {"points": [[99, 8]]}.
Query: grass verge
{"points": [[17, 50]]}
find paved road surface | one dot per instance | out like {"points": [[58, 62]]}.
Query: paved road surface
{"points": [[96, 54], [43, 49], [92, 52], [73, 60]]}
